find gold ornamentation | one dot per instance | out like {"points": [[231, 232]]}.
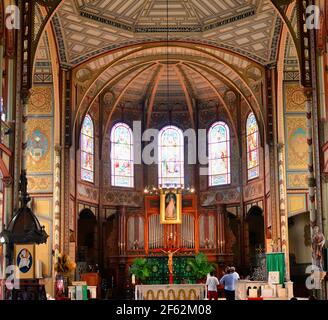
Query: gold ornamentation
{"points": [[297, 180], [39, 183], [297, 144], [295, 98], [40, 101], [39, 143]]}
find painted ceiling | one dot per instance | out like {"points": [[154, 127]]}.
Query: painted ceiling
{"points": [[86, 28]]}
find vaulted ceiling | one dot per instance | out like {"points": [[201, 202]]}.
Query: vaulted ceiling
{"points": [[85, 28], [166, 53]]}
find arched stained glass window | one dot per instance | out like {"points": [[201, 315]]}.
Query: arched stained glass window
{"points": [[219, 154], [171, 158], [122, 156], [252, 136], [87, 150]]}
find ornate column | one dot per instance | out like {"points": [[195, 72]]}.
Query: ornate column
{"points": [[122, 251], [56, 200], [122, 233], [25, 100], [272, 149], [283, 210], [311, 177], [220, 209]]}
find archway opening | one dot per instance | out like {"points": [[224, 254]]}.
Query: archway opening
{"points": [[87, 240], [299, 251], [256, 238]]}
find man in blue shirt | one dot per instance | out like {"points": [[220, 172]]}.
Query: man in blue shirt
{"points": [[229, 281]]}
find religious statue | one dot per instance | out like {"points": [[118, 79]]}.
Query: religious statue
{"points": [[318, 242], [170, 259]]}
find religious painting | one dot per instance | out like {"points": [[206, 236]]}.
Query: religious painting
{"points": [[25, 260], [170, 207], [38, 145], [297, 151]]}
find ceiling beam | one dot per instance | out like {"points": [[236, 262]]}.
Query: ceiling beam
{"points": [[228, 82], [151, 83], [187, 95], [218, 94], [153, 95], [112, 82], [120, 96], [187, 82], [198, 50]]}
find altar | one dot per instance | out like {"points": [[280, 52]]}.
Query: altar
{"points": [[171, 292]]}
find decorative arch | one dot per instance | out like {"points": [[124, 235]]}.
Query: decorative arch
{"points": [[122, 162], [171, 157], [219, 162], [87, 149], [98, 78]]}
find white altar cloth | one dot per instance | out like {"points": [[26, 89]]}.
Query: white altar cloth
{"points": [[171, 292]]}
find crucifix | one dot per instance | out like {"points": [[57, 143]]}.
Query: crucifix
{"points": [[170, 262]]}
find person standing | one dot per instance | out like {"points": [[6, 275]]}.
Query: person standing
{"points": [[236, 275], [229, 281], [212, 287]]}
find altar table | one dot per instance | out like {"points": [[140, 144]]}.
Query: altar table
{"points": [[171, 292]]}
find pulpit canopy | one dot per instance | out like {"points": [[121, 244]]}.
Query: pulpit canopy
{"points": [[24, 227]]}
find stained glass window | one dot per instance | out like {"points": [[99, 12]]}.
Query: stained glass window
{"points": [[122, 156], [252, 136], [219, 154], [170, 158], [87, 150]]}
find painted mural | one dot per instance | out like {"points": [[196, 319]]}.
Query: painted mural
{"points": [[38, 145], [297, 143], [296, 148]]}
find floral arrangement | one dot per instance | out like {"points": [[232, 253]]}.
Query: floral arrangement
{"points": [[64, 264]]}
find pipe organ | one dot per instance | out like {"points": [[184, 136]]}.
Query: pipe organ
{"points": [[141, 234]]}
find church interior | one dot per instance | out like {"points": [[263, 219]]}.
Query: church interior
{"points": [[135, 132]]}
